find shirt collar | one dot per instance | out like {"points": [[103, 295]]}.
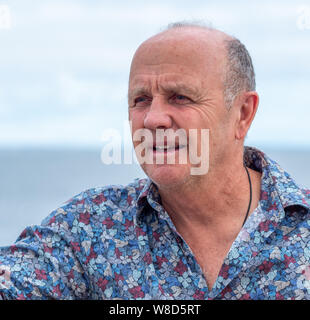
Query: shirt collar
{"points": [[277, 185], [148, 197]]}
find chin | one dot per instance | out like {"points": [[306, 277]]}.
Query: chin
{"points": [[167, 176]]}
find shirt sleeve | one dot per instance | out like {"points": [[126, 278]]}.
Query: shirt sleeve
{"points": [[44, 262]]}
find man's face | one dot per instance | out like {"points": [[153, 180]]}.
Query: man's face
{"points": [[176, 82]]}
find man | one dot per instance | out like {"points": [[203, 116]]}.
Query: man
{"points": [[239, 231]]}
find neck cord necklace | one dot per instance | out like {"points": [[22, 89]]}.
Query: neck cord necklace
{"points": [[246, 216]]}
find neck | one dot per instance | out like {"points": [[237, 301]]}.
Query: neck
{"points": [[216, 203]]}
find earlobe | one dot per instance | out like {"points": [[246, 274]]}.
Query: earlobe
{"points": [[247, 113]]}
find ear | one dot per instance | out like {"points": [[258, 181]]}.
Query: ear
{"points": [[248, 104]]}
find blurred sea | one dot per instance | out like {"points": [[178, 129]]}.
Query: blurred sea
{"points": [[35, 182]]}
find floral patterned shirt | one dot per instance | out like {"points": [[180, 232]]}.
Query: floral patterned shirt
{"points": [[118, 242]]}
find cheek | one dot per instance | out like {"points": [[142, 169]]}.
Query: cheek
{"points": [[136, 119], [136, 115]]}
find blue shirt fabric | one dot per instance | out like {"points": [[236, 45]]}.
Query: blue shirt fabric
{"points": [[118, 242]]}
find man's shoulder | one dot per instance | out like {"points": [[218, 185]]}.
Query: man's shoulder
{"points": [[111, 193], [103, 201]]}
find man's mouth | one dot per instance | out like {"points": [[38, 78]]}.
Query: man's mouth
{"points": [[167, 148]]}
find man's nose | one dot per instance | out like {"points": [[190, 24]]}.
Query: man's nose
{"points": [[157, 116]]}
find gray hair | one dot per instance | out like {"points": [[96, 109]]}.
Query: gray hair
{"points": [[239, 74]]}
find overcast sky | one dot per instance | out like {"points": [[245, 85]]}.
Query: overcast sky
{"points": [[64, 65]]}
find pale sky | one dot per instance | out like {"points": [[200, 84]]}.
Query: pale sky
{"points": [[64, 65]]}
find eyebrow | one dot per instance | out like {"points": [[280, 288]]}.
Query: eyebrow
{"points": [[168, 87]]}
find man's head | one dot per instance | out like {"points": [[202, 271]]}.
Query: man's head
{"points": [[192, 77]]}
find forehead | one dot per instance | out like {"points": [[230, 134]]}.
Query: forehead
{"points": [[178, 57], [165, 83]]}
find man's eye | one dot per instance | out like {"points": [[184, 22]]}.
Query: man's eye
{"points": [[140, 101], [179, 98]]}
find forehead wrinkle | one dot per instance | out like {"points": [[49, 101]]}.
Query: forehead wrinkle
{"points": [[165, 87], [174, 86]]}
